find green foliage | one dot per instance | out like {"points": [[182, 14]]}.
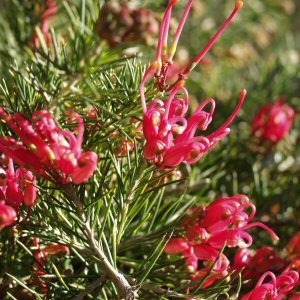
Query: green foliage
{"points": [[133, 209]]}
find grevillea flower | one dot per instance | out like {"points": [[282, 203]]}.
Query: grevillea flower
{"points": [[273, 122], [17, 188], [164, 55], [7, 215], [293, 246], [208, 229], [276, 289], [47, 150], [256, 264], [41, 255], [50, 9], [171, 137]]}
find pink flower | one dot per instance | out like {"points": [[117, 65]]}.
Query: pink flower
{"points": [[50, 10], [276, 289], [164, 55], [171, 139], [41, 255], [207, 229], [256, 264], [18, 187], [273, 122], [7, 215], [47, 150]]}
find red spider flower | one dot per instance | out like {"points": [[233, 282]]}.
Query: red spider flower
{"points": [[273, 122], [41, 258], [50, 10], [164, 55], [256, 264], [171, 139], [276, 289], [47, 150], [208, 229], [17, 187], [293, 245], [7, 214]]}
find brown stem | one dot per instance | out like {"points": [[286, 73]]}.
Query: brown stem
{"points": [[125, 290]]}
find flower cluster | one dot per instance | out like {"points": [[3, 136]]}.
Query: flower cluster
{"points": [[171, 137], [49, 10], [41, 259], [222, 223], [47, 150], [265, 263], [16, 188], [275, 289], [273, 122], [120, 23], [255, 265]]}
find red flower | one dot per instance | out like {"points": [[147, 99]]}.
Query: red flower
{"points": [[273, 122], [170, 136], [17, 187], [41, 256], [257, 264], [171, 139], [50, 10], [293, 245], [47, 150], [208, 229], [164, 55], [7, 215], [276, 289]]}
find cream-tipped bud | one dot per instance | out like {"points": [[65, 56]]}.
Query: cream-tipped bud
{"points": [[243, 93], [239, 4]]}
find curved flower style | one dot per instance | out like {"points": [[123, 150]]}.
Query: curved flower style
{"points": [[171, 139], [164, 55], [16, 187], [273, 122], [208, 229], [50, 10], [47, 150], [276, 289]]}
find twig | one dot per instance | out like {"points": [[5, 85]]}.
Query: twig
{"points": [[125, 290]]}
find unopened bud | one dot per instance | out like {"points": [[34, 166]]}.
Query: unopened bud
{"points": [[239, 4]]}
